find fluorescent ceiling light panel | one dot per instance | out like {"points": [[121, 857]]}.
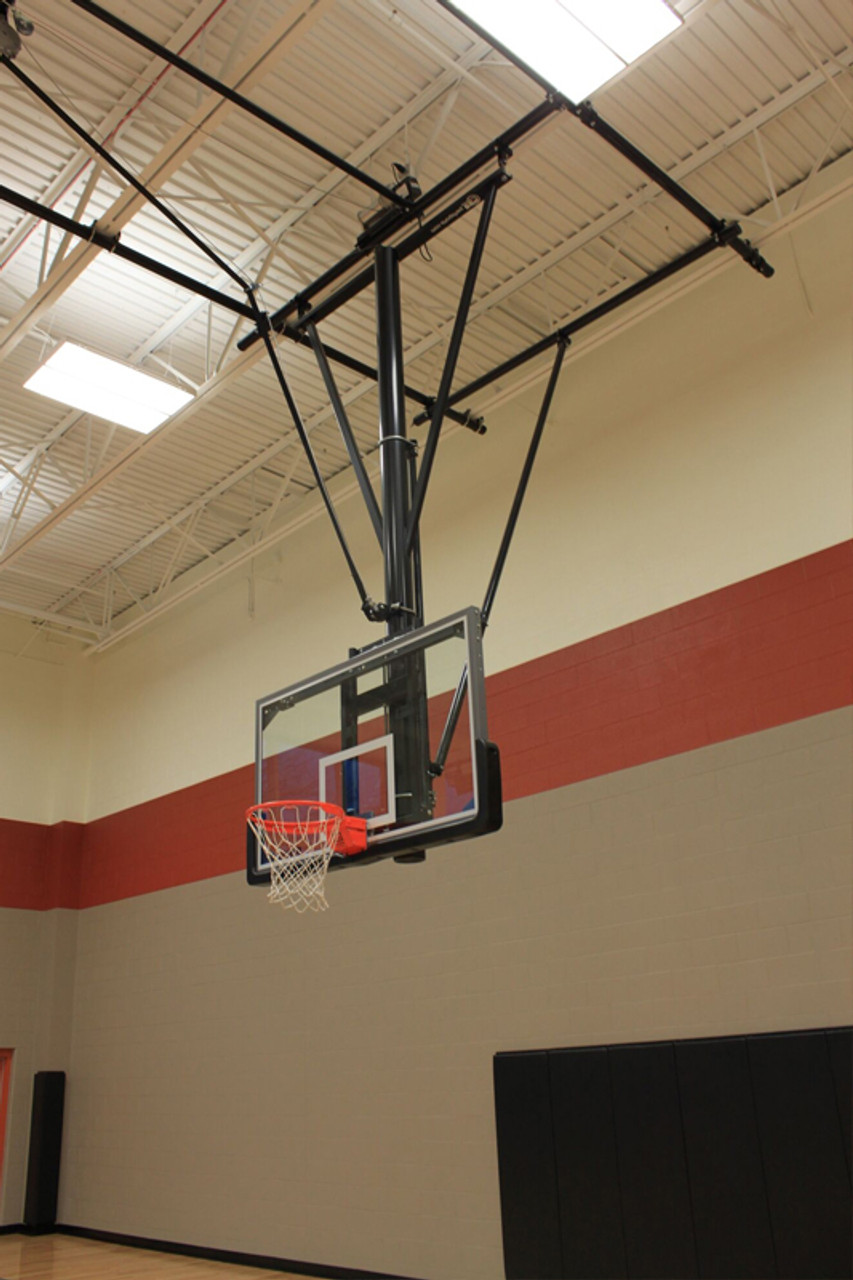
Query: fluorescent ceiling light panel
{"points": [[628, 27], [576, 45], [107, 388]]}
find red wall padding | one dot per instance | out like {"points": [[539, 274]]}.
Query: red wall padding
{"points": [[763, 652]]}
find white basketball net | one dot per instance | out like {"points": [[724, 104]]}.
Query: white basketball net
{"points": [[297, 839]]}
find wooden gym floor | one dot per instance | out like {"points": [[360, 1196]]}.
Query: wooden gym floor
{"points": [[58, 1257]]}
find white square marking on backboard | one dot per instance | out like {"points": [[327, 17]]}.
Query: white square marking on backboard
{"points": [[386, 743]]}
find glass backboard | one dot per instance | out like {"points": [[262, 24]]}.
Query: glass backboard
{"points": [[396, 734]]}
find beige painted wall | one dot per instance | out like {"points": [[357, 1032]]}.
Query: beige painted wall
{"points": [[32, 729], [320, 1088], [37, 961]]}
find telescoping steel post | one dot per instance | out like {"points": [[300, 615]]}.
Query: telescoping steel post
{"points": [[405, 677], [394, 444]]}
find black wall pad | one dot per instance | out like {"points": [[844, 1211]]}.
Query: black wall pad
{"points": [[45, 1149], [656, 1208], [528, 1179], [727, 1158], [840, 1045], [804, 1165], [587, 1166], [731, 1219]]}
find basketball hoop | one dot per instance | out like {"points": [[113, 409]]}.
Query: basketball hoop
{"points": [[297, 839]]}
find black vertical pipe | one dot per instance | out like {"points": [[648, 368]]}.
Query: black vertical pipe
{"points": [[405, 676], [393, 443], [417, 567]]}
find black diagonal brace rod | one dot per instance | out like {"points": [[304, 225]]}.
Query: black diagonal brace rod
{"points": [[346, 431], [111, 242], [453, 348], [123, 171], [437, 765], [587, 114], [524, 480], [367, 604], [232, 95], [365, 370]]}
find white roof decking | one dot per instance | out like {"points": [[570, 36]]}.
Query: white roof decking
{"points": [[748, 105]]}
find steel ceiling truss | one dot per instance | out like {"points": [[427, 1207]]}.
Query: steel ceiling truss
{"points": [[298, 320]]}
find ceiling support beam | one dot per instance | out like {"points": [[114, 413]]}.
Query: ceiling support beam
{"points": [[108, 129], [93, 235], [226, 92], [189, 137]]}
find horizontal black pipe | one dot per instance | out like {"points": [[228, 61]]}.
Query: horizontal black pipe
{"points": [[92, 143], [589, 317], [727, 233], [232, 95], [499, 148], [111, 242], [587, 114], [364, 279]]}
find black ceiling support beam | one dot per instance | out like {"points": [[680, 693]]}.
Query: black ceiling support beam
{"points": [[124, 172], [729, 233], [499, 149], [450, 361], [347, 435], [427, 231], [112, 244], [232, 95], [589, 317]]}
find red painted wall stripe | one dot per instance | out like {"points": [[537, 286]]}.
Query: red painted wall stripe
{"points": [[763, 652]]}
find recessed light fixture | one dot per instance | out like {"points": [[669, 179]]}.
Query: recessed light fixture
{"points": [[576, 45], [107, 388]]}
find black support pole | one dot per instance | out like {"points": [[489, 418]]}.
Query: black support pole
{"points": [[395, 446], [367, 604], [405, 694]]}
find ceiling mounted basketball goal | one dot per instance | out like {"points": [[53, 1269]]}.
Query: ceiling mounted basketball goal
{"points": [[388, 752]]}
